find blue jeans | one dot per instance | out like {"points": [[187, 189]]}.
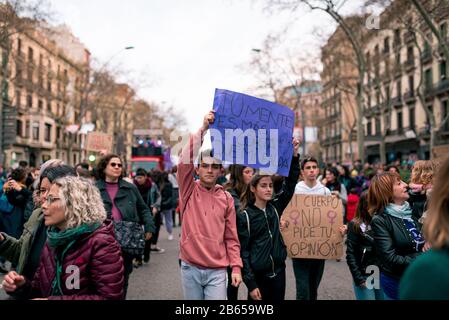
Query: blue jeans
{"points": [[168, 220], [203, 284], [367, 294]]}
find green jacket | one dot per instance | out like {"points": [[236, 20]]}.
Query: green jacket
{"points": [[17, 250], [130, 203], [427, 278]]}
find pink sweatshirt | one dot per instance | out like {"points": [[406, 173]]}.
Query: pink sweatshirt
{"points": [[209, 231]]}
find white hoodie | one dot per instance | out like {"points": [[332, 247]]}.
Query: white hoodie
{"points": [[319, 189]]}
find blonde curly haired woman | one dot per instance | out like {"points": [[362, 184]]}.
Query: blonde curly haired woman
{"points": [[81, 260]]}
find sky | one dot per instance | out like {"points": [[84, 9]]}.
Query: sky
{"points": [[183, 50]]}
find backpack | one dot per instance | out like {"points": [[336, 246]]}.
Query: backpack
{"points": [[5, 206]]}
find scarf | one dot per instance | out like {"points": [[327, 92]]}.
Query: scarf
{"points": [[61, 242], [401, 212]]}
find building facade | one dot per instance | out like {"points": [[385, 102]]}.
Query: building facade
{"points": [[43, 80], [339, 77], [397, 124]]}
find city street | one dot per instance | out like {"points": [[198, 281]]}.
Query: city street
{"points": [[160, 279]]}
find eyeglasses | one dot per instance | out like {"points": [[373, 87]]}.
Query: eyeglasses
{"points": [[213, 166], [51, 199], [118, 165], [43, 191]]}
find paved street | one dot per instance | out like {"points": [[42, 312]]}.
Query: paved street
{"points": [[160, 279]]}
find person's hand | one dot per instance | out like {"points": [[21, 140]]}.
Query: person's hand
{"points": [[296, 145], [148, 236], [255, 294], [2, 237], [335, 193], [362, 285], [284, 224], [208, 119], [427, 247], [236, 279], [12, 281], [343, 230], [154, 211]]}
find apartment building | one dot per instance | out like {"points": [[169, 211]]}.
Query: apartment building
{"points": [[46, 68], [394, 113]]}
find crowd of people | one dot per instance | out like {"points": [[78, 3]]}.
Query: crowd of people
{"points": [[58, 221]]}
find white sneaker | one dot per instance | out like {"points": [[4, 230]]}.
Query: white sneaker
{"points": [[170, 237]]}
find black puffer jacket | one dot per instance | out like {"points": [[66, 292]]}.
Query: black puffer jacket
{"points": [[262, 248], [394, 244], [360, 252]]}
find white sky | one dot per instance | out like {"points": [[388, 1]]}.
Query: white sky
{"points": [[186, 49]]}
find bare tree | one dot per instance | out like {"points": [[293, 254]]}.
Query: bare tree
{"points": [[352, 29], [16, 17]]}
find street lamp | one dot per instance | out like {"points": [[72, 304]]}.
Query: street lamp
{"points": [[298, 98]]}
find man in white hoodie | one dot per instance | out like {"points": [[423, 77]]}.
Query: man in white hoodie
{"points": [[308, 272], [310, 184]]}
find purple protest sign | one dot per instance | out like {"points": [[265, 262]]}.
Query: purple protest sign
{"points": [[252, 132]]}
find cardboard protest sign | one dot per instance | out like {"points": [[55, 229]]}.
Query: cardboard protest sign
{"points": [[312, 227], [98, 142], [252, 132]]}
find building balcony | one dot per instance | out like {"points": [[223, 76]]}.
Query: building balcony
{"points": [[426, 56], [409, 96], [397, 101], [408, 37], [442, 87], [424, 132], [409, 65], [397, 70], [429, 91]]}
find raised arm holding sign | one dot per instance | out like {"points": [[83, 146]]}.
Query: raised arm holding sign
{"points": [[252, 132]]}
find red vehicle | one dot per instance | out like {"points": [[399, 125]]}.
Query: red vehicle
{"points": [[146, 157]]}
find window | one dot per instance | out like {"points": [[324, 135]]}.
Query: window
{"points": [[27, 129], [399, 88], [430, 109], [18, 99], [428, 82], [368, 128], [400, 126], [19, 45], [398, 59], [40, 105], [49, 106], [378, 128], [411, 85], [19, 125], [387, 45], [410, 55], [443, 70], [445, 114], [36, 131], [397, 37], [30, 54], [443, 30], [29, 101], [48, 132], [411, 118], [58, 133]]}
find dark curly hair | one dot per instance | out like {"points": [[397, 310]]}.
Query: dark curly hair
{"points": [[103, 163]]}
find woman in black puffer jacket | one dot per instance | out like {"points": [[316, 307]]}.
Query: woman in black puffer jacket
{"points": [[397, 233], [361, 252]]}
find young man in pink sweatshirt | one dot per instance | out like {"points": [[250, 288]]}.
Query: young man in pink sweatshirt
{"points": [[209, 240]]}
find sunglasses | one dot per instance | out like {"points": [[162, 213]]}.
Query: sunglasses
{"points": [[118, 165]]}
